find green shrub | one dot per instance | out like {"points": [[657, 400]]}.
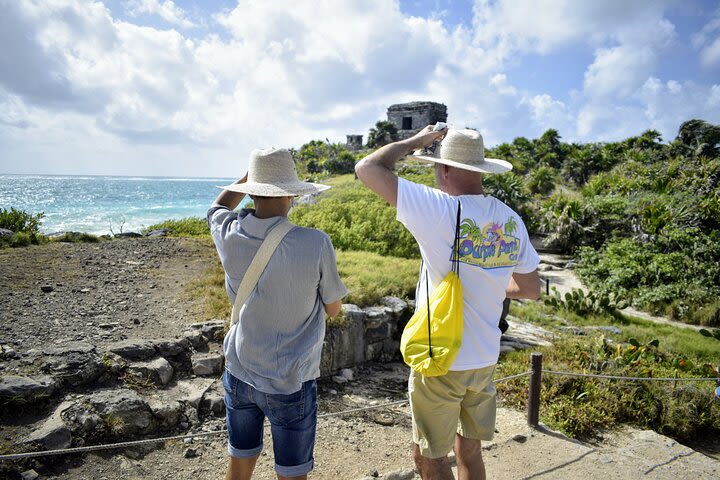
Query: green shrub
{"points": [[22, 239], [21, 221], [187, 227], [77, 237], [541, 180]]}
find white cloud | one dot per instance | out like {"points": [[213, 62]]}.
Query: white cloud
{"points": [[707, 40], [167, 10], [90, 85], [619, 71]]}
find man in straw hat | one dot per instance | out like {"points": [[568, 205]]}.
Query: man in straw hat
{"points": [[457, 410], [272, 353]]}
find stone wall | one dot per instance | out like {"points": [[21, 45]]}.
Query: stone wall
{"points": [[370, 334]]}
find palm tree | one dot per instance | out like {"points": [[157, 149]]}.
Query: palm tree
{"points": [[383, 133]]}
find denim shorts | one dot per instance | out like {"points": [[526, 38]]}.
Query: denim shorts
{"points": [[292, 419]]}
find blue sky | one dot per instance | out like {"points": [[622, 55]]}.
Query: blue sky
{"points": [[189, 88]]}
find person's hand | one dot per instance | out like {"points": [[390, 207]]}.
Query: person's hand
{"points": [[425, 137]]}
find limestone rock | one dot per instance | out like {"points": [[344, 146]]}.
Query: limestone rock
{"points": [[212, 330], [195, 338], [52, 434], [379, 324], [75, 363], [400, 475], [122, 410], [159, 371], [172, 348], [19, 390], [167, 414], [5, 233], [160, 232], [207, 364], [134, 349]]}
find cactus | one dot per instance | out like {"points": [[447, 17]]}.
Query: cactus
{"points": [[583, 303]]}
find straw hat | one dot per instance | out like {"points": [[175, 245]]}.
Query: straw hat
{"points": [[464, 149], [272, 174]]}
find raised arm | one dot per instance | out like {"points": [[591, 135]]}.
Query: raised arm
{"points": [[376, 170], [231, 199]]}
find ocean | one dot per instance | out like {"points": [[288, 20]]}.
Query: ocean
{"points": [[95, 204]]}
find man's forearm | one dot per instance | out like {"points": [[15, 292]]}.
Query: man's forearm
{"points": [[387, 156], [229, 198]]}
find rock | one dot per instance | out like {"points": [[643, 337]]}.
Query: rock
{"points": [[47, 288], [214, 403], [399, 475], [29, 475], [384, 420], [5, 233], [172, 348], [122, 410], [212, 330], [75, 363], [379, 324], [128, 235], [344, 345], [21, 390], [53, 434], [544, 267], [134, 349], [338, 379], [395, 304], [167, 414], [520, 438], [190, 453], [347, 373], [605, 328], [207, 364], [195, 338], [159, 371], [160, 232]]}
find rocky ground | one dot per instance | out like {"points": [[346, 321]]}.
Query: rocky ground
{"points": [[107, 333]]}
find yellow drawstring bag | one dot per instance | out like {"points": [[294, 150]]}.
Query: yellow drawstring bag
{"points": [[433, 335]]}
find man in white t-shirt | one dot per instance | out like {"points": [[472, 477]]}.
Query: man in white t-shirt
{"points": [[457, 410]]}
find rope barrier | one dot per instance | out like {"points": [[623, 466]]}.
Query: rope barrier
{"points": [[135, 443], [617, 377], [513, 376]]}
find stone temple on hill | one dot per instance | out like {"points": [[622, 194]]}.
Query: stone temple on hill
{"points": [[408, 118]]}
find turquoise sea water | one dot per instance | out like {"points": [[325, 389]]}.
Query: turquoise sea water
{"points": [[96, 204]]}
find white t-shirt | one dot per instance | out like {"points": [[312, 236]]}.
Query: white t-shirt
{"points": [[494, 244]]}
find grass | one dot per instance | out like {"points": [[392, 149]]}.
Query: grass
{"points": [[582, 407], [368, 277], [186, 227]]}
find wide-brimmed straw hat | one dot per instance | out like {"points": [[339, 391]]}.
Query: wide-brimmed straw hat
{"points": [[271, 173], [464, 149]]}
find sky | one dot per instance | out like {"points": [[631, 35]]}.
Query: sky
{"points": [[191, 87]]}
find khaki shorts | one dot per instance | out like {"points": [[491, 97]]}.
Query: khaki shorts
{"points": [[461, 402]]}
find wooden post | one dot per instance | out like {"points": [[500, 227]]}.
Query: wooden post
{"points": [[547, 286], [534, 391]]}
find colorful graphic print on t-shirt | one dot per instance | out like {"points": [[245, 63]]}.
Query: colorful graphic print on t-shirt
{"points": [[489, 246]]}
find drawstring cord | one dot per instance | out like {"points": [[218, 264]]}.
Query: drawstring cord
{"points": [[455, 259]]}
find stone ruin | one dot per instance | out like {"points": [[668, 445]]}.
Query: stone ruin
{"points": [[409, 118], [354, 142]]}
